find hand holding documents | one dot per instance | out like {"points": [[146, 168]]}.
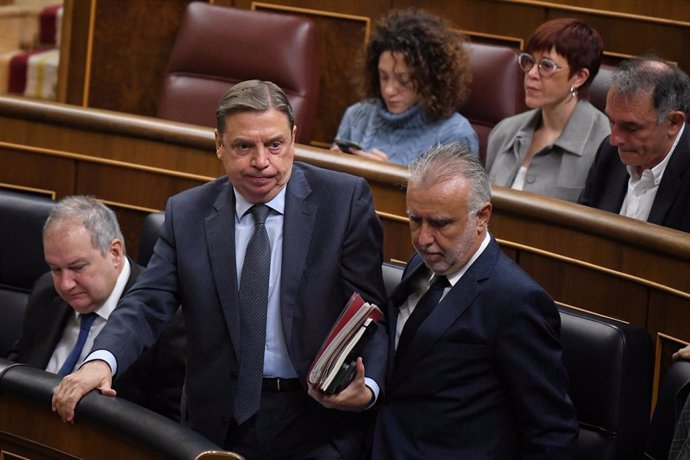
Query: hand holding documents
{"points": [[336, 362]]}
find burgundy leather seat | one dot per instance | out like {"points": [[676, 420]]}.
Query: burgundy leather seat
{"points": [[600, 86], [217, 47], [497, 90]]}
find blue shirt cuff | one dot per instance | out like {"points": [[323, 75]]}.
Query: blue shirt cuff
{"points": [[103, 355], [375, 388]]}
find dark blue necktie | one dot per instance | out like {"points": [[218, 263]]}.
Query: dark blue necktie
{"points": [[253, 304], [85, 325], [421, 311]]}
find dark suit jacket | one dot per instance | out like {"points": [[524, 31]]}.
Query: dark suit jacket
{"points": [[483, 376], [154, 381], [331, 247], [607, 184]]}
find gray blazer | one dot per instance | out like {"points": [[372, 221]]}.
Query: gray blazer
{"points": [[559, 170]]}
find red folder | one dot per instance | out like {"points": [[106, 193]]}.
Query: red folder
{"points": [[335, 364]]}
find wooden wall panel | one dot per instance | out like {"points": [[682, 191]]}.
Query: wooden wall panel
{"points": [[532, 223], [131, 45], [371, 8], [633, 37], [621, 33], [498, 18], [74, 51], [26, 169], [678, 10], [586, 288], [124, 60], [137, 188], [668, 314], [152, 147], [397, 245]]}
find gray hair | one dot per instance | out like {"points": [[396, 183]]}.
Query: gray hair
{"points": [[446, 162], [253, 96], [670, 86], [99, 220]]}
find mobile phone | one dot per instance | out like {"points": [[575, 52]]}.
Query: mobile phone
{"points": [[345, 145]]}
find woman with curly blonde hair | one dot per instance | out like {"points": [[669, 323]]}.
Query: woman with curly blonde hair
{"points": [[416, 75]]}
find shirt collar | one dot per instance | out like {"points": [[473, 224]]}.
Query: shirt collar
{"points": [[242, 205]]}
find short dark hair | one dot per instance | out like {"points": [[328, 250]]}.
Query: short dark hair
{"points": [[669, 85], [433, 51], [450, 161], [253, 96], [578, 43], [98, 220]]}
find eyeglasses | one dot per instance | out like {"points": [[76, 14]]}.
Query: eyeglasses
{"points": [[546, 66]]}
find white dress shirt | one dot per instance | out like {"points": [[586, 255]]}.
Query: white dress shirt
{"points": [[642, 188]]}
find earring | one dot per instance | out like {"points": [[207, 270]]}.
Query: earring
{"points": [[573, 91]]}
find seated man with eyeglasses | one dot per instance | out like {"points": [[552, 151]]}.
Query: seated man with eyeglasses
{"points": [[549, 149]]}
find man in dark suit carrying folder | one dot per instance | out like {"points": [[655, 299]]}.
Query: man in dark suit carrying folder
{"points": [[475, 369], [261, 262]]}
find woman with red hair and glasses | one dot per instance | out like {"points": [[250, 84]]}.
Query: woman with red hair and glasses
{"points": [[549, 149]]}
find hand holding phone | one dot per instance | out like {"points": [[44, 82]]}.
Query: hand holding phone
{"points": [[345, 145]]}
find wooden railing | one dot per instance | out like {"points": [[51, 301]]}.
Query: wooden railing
{"points": [[105, 427]]}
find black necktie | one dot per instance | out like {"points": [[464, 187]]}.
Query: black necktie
{"points": [[84, 327], [253, 303], [424, 307]]}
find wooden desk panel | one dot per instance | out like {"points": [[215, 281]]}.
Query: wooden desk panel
{"points": [[104, 427], [32, 431], [34, 170], [585, 288]]}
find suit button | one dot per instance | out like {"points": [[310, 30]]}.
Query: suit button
{"points": [[226, 420]]}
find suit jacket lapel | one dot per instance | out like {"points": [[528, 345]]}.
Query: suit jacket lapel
{"points": [[397, 297], [298, 227], [220, 239], [452, 306], [618, 184], [55, 319], [672, 180]]}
